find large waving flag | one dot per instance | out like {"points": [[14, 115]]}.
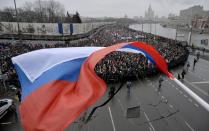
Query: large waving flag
{"points": [[59, 84]]}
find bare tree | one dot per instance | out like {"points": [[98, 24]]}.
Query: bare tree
{"points": [[55, 9], [28, 6], [41, 9], [49, 11], [8, 14], [38, 11]]}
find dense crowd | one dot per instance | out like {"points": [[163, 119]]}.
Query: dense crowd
{"points": [[111, 34], [115, 66], [119, 65]]}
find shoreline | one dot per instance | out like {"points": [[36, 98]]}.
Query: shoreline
{"points": [[196, 30]]}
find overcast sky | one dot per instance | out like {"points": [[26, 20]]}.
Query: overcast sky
{"points": [[118, 8]]}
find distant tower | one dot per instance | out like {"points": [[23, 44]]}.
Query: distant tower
{"points": [[149, 14]]}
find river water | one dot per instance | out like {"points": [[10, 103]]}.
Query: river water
{"points": [[171, 33]]}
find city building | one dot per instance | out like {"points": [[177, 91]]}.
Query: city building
{"points": [[149, 14], [201, 23], [195, 16], [193, 13]]}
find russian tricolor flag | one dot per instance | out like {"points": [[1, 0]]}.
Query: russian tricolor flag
{"points": [[59, 84]]}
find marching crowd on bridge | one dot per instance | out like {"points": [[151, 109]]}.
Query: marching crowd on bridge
{"points": [[115, 66]]}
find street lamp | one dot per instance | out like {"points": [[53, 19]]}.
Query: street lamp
{"points": [[176, 32], [17, 18], [190, 35], [150, 27], [155, 26], [142, 26]]}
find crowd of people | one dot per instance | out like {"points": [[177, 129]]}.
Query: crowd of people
{"points": [[120, 65], [113, 34], [115, 66]]}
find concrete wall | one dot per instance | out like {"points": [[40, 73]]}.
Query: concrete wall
{"points": [[47, 28]]}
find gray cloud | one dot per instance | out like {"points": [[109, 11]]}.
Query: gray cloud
{"points": [[118, 8]]}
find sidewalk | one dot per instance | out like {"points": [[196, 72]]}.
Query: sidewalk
{"points": [[205, 56]]}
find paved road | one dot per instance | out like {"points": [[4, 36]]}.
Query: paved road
{"points": [[171, 108], [157, 107]]}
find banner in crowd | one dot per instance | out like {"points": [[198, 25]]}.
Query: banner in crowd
{"points": [[60, 28], [71, 28]]}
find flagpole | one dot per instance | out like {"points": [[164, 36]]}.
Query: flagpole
{"points": [[203, 103]]}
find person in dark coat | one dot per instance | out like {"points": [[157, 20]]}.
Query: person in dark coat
{"points": [[112, 91], [183, 73], [203, 51], [194, 63], [160, 83], [19, 95], [179, 76], [187, 66], [198, 56]]}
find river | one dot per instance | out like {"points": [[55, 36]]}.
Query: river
{"points": [[171, 33]]}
